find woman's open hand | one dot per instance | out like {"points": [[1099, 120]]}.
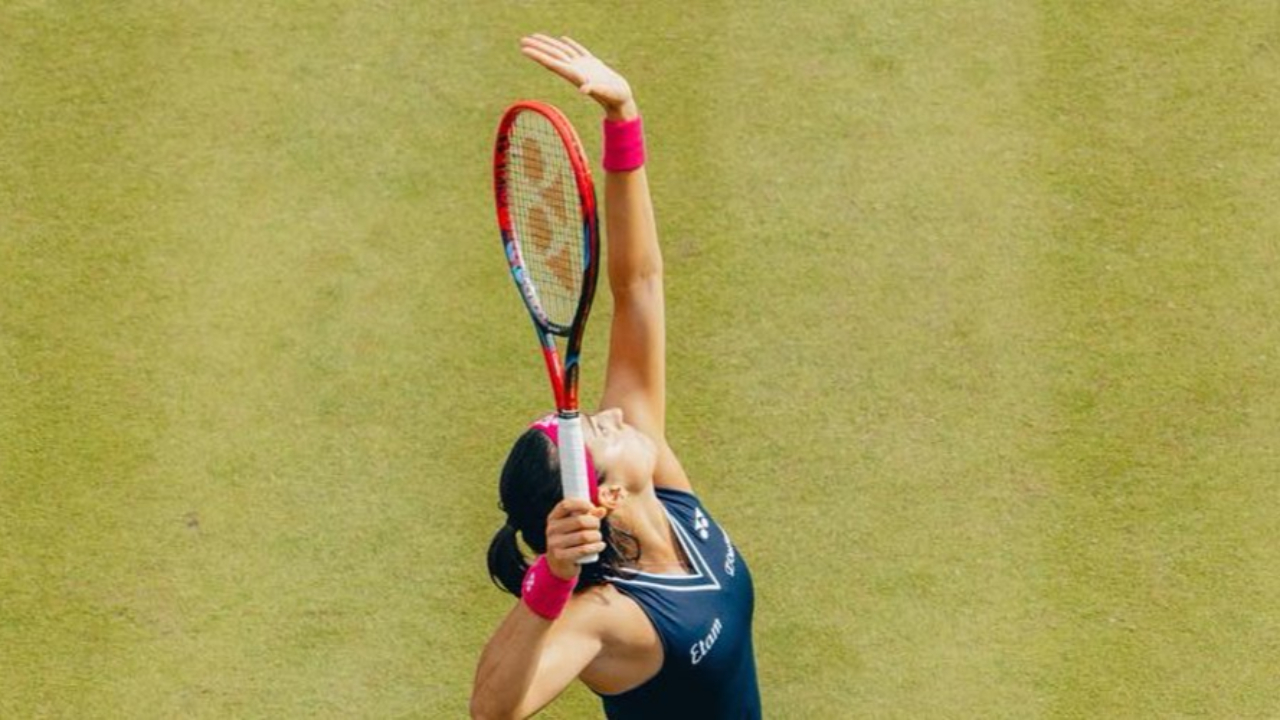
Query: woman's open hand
{"points": [[573, 62]]}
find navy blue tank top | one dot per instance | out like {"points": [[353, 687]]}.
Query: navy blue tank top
{"points": [[704, 621]]}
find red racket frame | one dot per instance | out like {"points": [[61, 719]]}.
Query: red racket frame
{"points": [[563, 374]]}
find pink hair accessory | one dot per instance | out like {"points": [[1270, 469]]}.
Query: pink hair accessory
{"points": [[550, 425], [544, 592], [623, 144]]}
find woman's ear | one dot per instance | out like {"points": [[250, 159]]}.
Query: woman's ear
{"points": [[612, 496]]}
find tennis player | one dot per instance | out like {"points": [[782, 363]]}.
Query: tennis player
{"points": [[660, 625]]}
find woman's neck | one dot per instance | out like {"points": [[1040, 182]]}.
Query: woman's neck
{"points": [[645, 519]]}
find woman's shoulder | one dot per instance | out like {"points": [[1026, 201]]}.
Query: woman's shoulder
{"points": [[602, 599], [669, 473], [615, 618], [677, 498], [630, 649]]}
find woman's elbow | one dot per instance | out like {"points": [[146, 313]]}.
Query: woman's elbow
{"points": [[642, 289], [484, 708], [480, 712]]}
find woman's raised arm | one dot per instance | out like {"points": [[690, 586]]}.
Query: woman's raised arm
{"points": [[635, 377]]}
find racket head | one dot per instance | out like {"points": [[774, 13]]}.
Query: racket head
{"points": [[546, 208]]}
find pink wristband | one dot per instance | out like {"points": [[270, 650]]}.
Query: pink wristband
{"points": [[543, 592], [623, 145]]}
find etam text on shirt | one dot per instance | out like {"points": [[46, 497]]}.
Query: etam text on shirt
{"points": [[700, 649]]}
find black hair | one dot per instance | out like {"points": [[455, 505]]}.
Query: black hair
{"points": [[528, 490]]}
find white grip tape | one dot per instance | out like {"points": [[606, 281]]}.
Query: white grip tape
{"points": [[573, 465]]}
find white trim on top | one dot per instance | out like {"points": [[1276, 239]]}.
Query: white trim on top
{"points": [[678, 583]]}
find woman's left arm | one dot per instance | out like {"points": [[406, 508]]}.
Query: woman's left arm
{"points": [[533, 657], [529, 661], [635, 376]]}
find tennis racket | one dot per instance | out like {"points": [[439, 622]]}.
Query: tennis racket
{"points": [[547, 213]]}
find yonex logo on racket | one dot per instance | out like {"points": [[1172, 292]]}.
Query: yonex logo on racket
{"points": [[549, 187], [549, 228], [546, 210]]}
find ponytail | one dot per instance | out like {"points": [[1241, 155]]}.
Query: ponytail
{"points": [[507, 564]]}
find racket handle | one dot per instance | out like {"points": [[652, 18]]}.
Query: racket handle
{"points": [[573, 465]]}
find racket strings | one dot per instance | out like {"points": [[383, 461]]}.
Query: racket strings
{"points": [[546, 215]]}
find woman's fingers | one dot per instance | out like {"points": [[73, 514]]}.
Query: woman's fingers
{"points": [[572, 524], [571, 506], [569, 541], [553, 47], [569, 547], [573, 530], [564, 70], [543, 58], [574, 45], [573, 551]]}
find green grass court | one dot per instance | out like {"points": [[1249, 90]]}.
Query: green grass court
{"points": [[974, 347]]}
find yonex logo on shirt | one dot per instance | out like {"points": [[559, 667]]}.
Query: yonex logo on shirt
{"points": [[700, 524]]}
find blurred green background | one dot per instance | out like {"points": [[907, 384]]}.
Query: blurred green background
{"points": [[974, 347]]}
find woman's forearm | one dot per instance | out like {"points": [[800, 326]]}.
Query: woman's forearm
{"points": [[508, 666], [634, 254]]}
